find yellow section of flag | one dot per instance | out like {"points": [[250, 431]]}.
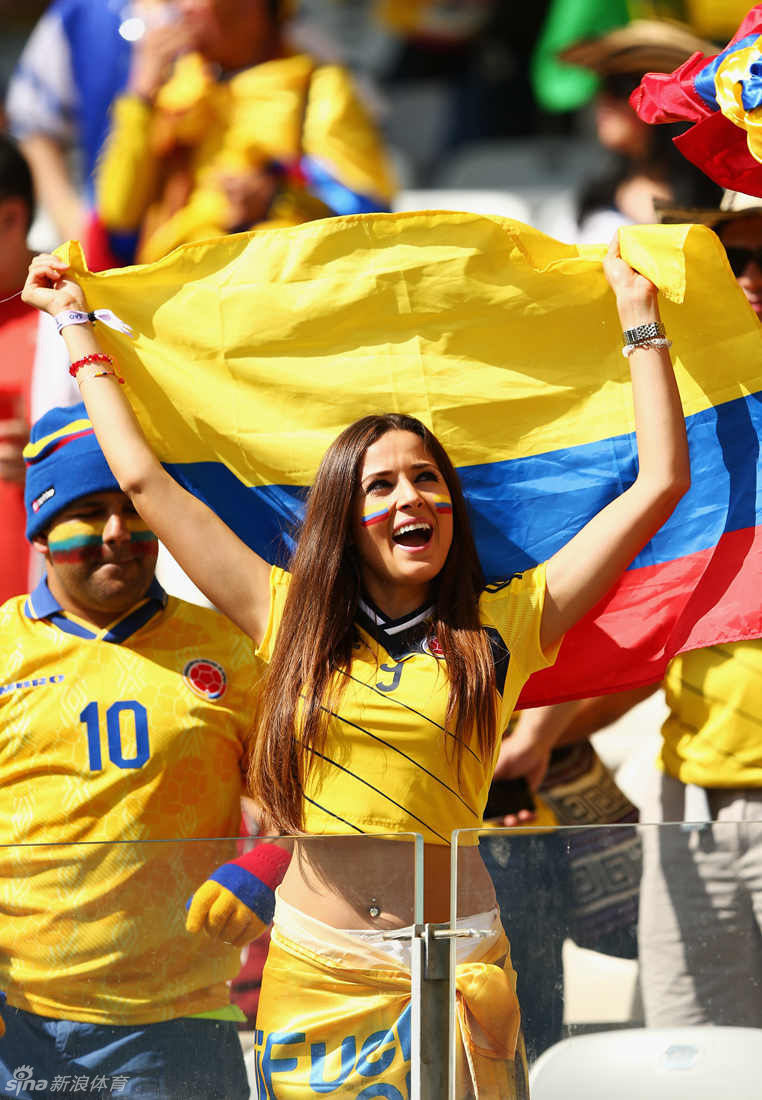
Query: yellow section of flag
{"points": [[257, 349]]}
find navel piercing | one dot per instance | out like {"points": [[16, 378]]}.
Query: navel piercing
{"points": [[374, 908]]}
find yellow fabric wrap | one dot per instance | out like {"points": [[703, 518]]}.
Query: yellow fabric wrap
{"points": [[320, 1024]]}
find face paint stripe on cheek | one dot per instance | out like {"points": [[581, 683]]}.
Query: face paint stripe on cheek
{"points": [[137, 528], [374, 514], [75, 540], [443, 504]]}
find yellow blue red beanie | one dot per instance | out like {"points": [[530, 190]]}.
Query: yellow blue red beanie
{"points": [[64, 461]]}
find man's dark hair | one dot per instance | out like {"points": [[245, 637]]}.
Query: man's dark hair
{"points": [[15, 177]]}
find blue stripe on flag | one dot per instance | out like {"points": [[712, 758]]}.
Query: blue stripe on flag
{"points": [[524, 509]]}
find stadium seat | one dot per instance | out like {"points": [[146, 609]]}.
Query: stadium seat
{"points": [[501, 203], [682, 1063]]}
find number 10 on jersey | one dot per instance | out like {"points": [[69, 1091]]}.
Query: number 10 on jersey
{"points": [[118, 715]]}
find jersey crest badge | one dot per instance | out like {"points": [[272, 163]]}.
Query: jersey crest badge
{"points": [[432, 645], [206, 678]]}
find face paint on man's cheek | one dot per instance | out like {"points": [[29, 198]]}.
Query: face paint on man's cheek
{"points": [[143, 539], [76, 540], [81, 540], [374, 513]]}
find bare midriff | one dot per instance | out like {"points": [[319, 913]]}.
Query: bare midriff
{"points": [[346, 881]]}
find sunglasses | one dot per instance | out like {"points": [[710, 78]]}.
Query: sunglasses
{"points": [[740, 258]]}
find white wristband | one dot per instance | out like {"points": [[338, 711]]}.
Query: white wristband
{"points": [[72, 317], [79, 317]]}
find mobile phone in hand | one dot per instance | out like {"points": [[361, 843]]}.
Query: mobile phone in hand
{"points": [[508, 796]]}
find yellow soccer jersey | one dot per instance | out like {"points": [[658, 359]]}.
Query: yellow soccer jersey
{"points": [[388, 764], [132, 733], [713, 735]]}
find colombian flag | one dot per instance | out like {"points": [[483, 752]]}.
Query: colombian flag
{"points": [[252, 353], [722, 95]]}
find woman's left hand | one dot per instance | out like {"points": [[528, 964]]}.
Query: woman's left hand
{"points": [[636, 296], [49, 288]]}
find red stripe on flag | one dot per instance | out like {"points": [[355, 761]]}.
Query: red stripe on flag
{"points": [[655, 613]]}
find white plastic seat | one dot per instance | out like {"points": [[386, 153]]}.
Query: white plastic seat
{"points": [[682, 1063]]}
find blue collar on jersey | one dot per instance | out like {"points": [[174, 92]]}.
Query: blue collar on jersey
{"points": [[42, 604], [399, 637]]}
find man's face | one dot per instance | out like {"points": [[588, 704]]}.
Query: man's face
{"points": [[100, 557], [743, 243]]}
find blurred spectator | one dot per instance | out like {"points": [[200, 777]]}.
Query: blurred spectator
{"points": [[558, 85], [72, 66], [458, 75], [33, 366], [222, 129], [646, 166]]}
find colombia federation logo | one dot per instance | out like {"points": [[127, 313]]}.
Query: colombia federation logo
{"points": [[432, 645], [206, 678]]}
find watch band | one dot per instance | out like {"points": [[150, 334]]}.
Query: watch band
{"points": [[652, 330]]}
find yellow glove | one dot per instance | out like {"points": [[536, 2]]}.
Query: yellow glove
{"points": [[237, 901]]}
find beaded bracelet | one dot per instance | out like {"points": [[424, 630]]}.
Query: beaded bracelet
{"points": [[106, 374], [96, 357], [659, 342]]}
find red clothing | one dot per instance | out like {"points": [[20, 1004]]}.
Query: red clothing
{"points": [[18, 342]]}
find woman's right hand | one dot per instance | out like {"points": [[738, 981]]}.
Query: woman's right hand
{"points": [[48, 287]]}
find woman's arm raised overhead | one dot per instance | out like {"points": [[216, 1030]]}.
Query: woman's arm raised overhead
{"points": [[582, 571], [233, 577]]}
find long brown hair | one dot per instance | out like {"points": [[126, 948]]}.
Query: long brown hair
{"points": [[316, 632]]}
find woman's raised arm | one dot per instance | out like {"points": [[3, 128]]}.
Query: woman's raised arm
{"points": [[231, 575], [583, 570]]}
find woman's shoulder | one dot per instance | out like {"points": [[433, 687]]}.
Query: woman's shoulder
{"points": [[509, 603]]}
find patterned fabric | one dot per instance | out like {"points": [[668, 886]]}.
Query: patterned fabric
{"points": [[385, 768], [713, 734], [135, 732], [604, 864]]}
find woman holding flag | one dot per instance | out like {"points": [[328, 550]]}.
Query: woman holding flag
{"points": [[393, 669]]}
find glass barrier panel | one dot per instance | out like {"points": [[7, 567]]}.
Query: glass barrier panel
{"points": [[637, 955], [203, 969]]}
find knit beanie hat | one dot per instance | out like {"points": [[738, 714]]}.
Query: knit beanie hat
{"points": [[63, 462]]}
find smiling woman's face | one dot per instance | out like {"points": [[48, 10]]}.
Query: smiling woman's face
{"points": [[402, 523]]}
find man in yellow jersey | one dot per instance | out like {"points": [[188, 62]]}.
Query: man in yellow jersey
{"points": [[700, 929], [124, 715]]}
